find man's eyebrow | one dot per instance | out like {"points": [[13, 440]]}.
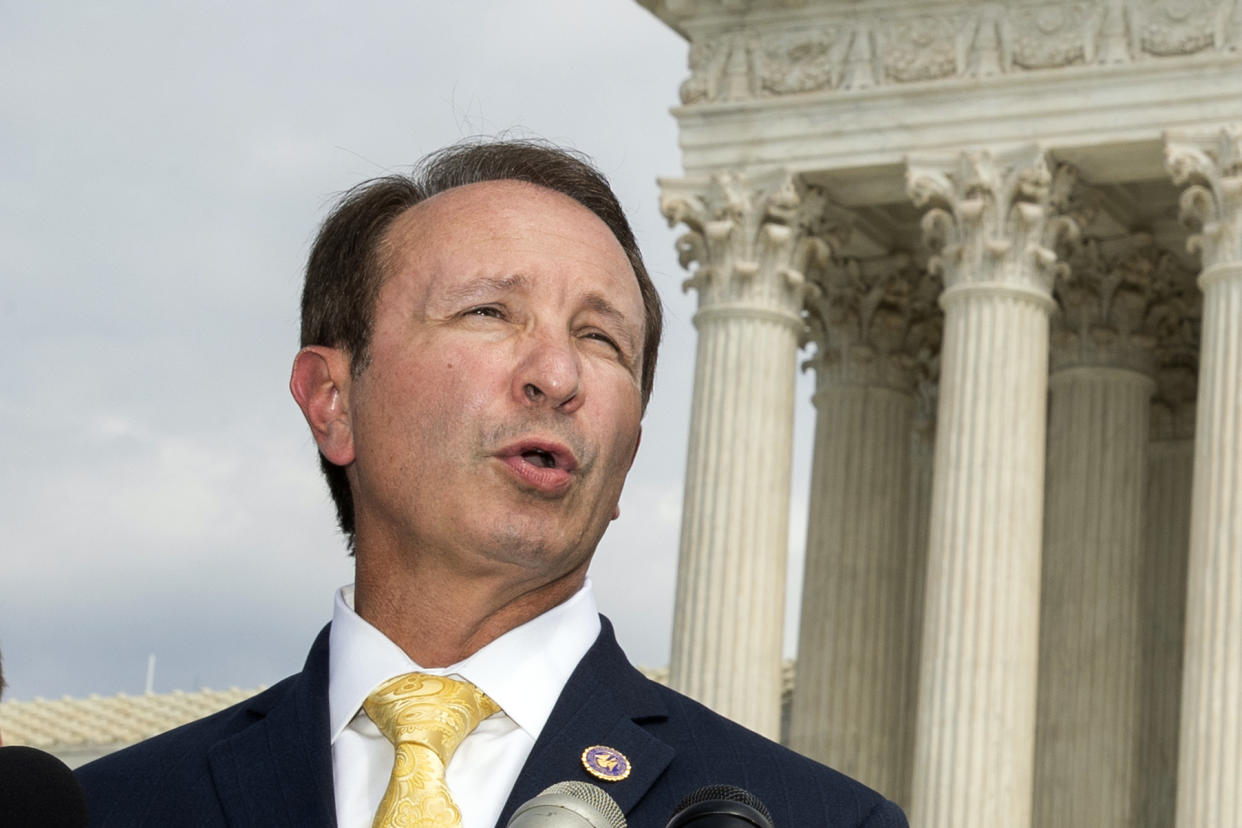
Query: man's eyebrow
{"points": [[484, 286]]}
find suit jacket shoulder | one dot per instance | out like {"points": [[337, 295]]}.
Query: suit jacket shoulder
{"points": [[265, 761], [796, 790], [676, 746], [268, 761]]}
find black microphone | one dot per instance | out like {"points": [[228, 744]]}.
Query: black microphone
{"points": [[37, 789], [721, 806], [569, 805]]}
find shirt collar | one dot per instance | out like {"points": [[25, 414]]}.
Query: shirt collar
{"points": [[523, 670]]}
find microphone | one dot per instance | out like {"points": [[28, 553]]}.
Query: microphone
{"points": [[721, 806], [36, 788], [569, 805]]}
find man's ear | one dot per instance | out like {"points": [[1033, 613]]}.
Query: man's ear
{"points": [[320, 384]]}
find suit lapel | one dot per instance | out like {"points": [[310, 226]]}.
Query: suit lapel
{"points": [[278, 771], [605, 703]]}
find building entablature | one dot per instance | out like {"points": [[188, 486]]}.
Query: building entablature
{"points": [[844, 94]]}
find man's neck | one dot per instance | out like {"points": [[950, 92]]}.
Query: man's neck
{"points": [[440, 618]]}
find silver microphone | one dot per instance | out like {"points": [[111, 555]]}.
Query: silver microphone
{"points": [[569, 805]]}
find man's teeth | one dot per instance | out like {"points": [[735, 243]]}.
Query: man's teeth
{"points": [[540, 457]]}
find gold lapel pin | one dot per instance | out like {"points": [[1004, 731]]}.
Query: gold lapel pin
{"points": [[608, 764]]}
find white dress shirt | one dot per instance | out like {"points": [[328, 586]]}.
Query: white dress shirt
{"points": [[523, 671]]}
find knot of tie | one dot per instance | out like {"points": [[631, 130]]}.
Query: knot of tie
{"points": [[426, 718]]}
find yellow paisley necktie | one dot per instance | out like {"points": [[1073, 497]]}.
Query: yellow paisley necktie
{"points": [[426, 718]]}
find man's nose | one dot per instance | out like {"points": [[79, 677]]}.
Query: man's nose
{"points": [[549, 374]]}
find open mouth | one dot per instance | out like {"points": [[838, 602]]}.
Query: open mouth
{"points": [[539, 457], [542, 465]]}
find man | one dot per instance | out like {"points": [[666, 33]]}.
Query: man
{"points": [[479, 343]]}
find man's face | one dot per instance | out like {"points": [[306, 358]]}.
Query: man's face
{"points": [[499, 412]]}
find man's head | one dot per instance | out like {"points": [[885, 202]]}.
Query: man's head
{"points": [[383, 225]]}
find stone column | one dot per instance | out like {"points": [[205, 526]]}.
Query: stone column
{"points": [[1210, 758], [749, 238], [922, 457], [1162, 596], [1089, 642], [992, 229], [850, 708]]}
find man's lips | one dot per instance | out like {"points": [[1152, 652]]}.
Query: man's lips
{"points": [[543, 465]]}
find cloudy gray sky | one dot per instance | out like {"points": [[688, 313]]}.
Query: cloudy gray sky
{"points": [[163, 167]]}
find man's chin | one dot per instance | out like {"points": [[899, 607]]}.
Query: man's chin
{"points": [[530, 549]]}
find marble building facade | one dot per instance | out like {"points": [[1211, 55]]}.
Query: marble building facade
{"points": [[1007, 238]]}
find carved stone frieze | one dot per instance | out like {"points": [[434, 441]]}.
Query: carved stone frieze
{"points": [[1181, 27], [922, 48], [874, 321], [1050, 35], [1119, 300], [708, 59], [1114, 42], [803, 61], [998, 219], [818, 46], [750, 240], [1211, 205]]}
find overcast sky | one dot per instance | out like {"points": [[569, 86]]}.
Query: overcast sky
{"points": [[163, 168]]}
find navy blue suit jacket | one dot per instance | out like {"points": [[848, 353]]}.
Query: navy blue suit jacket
{"points": [[268, 762]]}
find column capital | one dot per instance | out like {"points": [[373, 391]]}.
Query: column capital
{"points": [[1117, 300], [751, 237], [995, 219], [1176, 354], [1173, 408], [872, 320], [1211, 206]]}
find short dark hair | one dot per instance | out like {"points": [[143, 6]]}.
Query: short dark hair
{"points": [[345, 269]]}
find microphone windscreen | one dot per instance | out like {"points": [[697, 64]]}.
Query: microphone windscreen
{"points": [[721, 806], [36, 788], [569, 804]]}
